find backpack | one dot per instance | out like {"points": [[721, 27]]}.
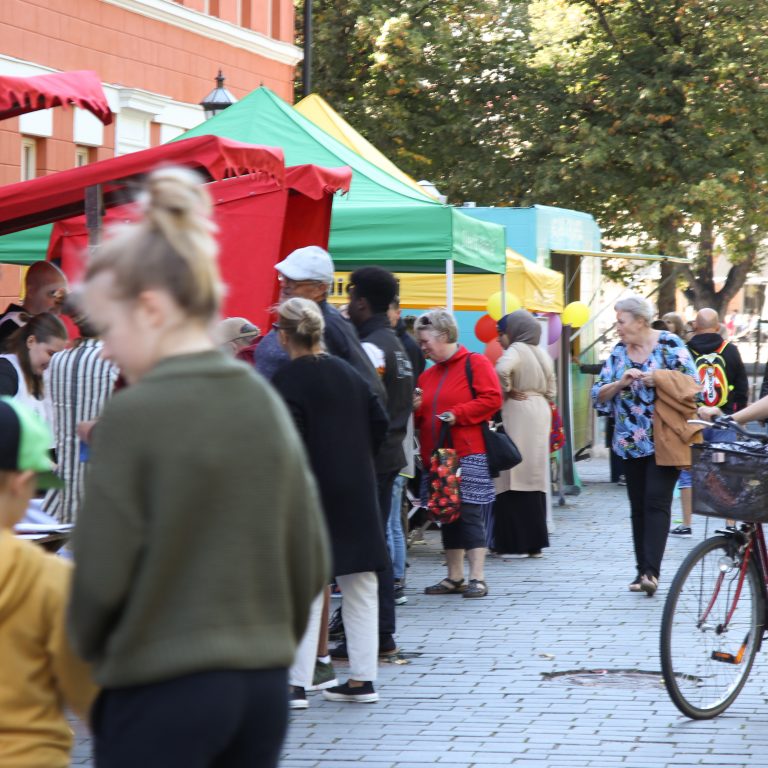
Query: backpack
{"points": [[714, 381]]}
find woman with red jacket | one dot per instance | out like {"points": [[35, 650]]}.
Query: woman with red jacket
{"points": [[446, 393]]}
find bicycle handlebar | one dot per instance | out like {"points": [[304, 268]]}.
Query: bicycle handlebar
{"points": [[724, 423]]}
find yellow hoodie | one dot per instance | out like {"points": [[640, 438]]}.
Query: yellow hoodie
{"points": [[39, 673]]}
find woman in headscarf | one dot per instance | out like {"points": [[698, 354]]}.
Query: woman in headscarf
{"points": [[527, 379]]}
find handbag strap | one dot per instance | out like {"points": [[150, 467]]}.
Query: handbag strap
{"points": [[444, 440], [468, 369]]}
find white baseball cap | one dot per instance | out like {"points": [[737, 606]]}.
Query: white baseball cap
{"points": [[310, 263]]}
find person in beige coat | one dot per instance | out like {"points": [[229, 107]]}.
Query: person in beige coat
{"points": [[527, 380]]}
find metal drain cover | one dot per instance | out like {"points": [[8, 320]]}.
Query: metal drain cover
{"points": [[607, 678]]}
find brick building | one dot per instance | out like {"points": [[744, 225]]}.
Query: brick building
{"points": [[157, 60]]}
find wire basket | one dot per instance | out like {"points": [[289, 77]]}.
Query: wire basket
{"points": [[730, 480]]}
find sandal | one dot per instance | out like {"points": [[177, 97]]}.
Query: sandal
{"points": [[476, 588], [649, 584], [446, 587]]}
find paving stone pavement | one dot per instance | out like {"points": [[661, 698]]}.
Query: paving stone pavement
{"points": [[474, 692]]}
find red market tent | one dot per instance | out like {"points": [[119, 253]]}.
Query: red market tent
{"points": [[62, 195], [82, 88], [259, 220]]}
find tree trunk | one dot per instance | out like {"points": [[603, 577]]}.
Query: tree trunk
{"points": [[666, 296]]}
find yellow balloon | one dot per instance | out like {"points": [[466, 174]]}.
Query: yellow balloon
{"points": [[494, 305], [575, 314]]}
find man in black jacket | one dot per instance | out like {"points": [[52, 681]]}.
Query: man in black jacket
{"points": [[724, 384], [372, 290], [307, 273]]}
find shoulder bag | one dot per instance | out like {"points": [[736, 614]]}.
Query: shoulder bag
{"points": [[500, 449]]}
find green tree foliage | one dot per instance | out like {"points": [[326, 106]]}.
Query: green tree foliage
{"points": [[660, 131], [426, 82], [649, 114]]}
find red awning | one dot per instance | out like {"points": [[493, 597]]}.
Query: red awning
{"points": [[259, 222], [28, 94], [316, 182], [62, 195]]}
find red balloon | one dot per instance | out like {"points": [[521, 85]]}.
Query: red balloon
{"points": [[485, 329], [493, 350]]}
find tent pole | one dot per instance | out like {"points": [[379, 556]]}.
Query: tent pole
{"points": [[94, 210], [504, 294], [306, 69], [449, 285]]}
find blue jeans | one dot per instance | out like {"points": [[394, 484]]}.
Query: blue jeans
{"points": [[395, 536]]}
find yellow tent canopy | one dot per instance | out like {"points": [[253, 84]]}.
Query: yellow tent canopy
{"points": [[324, 116], [538, 288]]}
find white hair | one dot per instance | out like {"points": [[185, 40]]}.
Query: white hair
{"points": [[439, 322], [637, 306]]}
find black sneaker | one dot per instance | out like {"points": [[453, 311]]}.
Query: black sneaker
{"points": [[400, 597], [363, 694], [297, 698], [681, 530], [622, 480], [336, 626]]}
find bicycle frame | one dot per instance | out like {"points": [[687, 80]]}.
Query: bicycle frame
{"points": [[755, 542]]}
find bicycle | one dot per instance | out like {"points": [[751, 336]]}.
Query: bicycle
{"points": [[714, 616]]}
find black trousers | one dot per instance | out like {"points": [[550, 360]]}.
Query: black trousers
{"points": [[226, 719], [650, 490], [386, 577]]}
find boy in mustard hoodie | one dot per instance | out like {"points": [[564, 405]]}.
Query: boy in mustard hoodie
{"points": [[39, 674]]}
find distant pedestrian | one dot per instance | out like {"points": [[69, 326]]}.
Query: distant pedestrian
{"points": [[200, 545], [724, 385], [29, 351], [447, 394], [528, 381], [342, 424], [80, 381], [45, 287], [626, 388], [237, 336], [371, 292]]}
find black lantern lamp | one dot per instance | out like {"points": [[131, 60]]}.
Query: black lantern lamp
{"points": [[218, 99]]}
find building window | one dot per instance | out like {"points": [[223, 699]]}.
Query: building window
{"points": [[28, 159], [82, 156], [213, 7]]}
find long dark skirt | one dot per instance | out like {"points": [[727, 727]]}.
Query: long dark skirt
{"points": [[520, 522]]}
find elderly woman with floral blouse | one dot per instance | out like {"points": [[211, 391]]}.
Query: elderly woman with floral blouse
{"points": [[626, 390]]}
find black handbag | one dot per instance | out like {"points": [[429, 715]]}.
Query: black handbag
{"points": [[500, 449]]}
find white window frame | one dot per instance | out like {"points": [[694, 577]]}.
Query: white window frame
{"points": [[82, 156], [28, 158]]}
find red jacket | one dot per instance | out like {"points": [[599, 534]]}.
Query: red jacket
{"points": [[445, 388]]}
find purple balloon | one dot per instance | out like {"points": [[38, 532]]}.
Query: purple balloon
{"points": [[554, 328], [554, 350]]}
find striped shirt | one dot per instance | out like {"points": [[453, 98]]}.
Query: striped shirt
{"points": [[78, 382]]}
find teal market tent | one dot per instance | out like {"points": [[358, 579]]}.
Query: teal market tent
{"points": [[381, 220]]}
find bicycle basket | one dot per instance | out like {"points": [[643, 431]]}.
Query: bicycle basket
{"points": [[728, 482]]}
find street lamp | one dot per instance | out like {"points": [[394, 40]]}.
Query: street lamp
{"points": [[218, 99]]}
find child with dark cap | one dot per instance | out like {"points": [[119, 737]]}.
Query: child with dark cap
{"points": [[40, 673]]}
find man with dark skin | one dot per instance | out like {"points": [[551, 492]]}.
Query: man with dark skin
{"points": [[45, 287]]}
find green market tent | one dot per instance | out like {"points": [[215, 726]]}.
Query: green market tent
{"points": [[381, 220], [26, 246]]}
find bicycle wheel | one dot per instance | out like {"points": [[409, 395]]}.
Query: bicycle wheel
{"points": [[706, 657]]}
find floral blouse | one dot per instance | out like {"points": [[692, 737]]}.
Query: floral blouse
{"points": [[633, 406]]}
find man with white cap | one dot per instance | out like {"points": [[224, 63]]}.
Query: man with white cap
{"points": [[307, 273]]}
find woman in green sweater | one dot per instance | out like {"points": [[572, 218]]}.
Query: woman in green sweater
{"points": [[201, 544]]}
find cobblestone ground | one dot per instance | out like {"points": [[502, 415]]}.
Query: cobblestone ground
{"points": [[475, 691]]}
